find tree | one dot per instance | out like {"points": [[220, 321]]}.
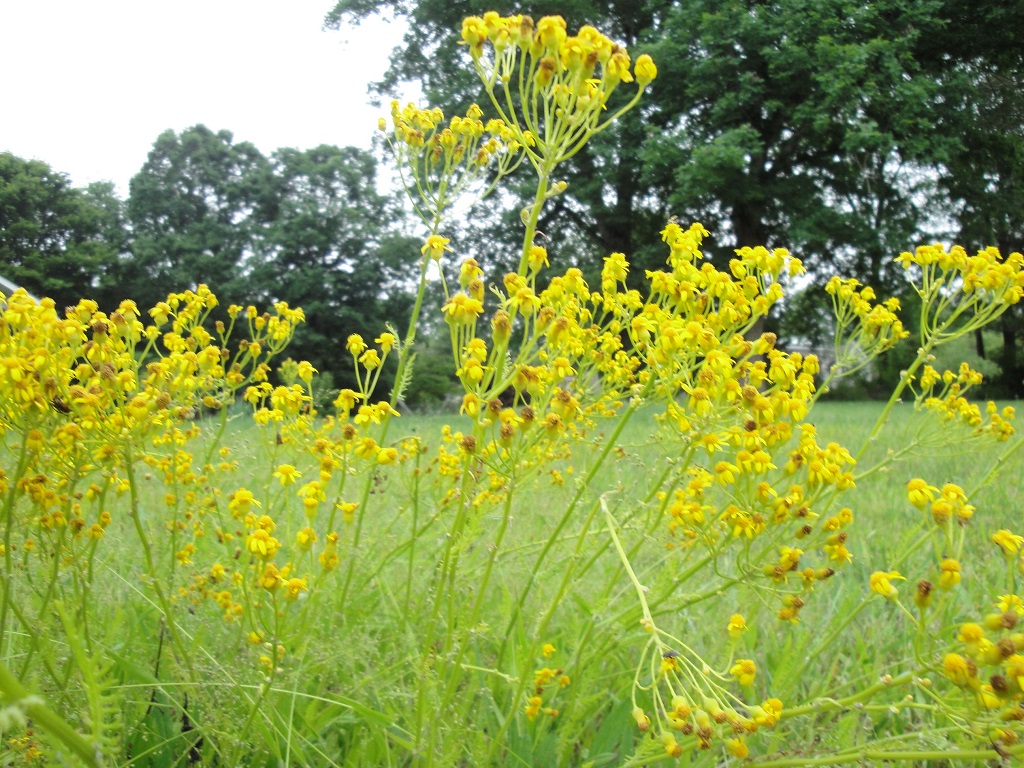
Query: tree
{"points": [[55, 240], [984, 178], [304, 226], [326, 246], [193, 207]]}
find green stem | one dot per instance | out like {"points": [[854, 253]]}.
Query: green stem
{"points": [[8, 513], [403, 363], [917, 757], [997, 465], [456, 668], [553, 537], [829, 642], [15, 694], [648, 621], [905, 380], [531, 222], [151, 573], [541, 629], [839, 704], [217, 437]]}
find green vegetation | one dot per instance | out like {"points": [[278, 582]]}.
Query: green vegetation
{"points": [[642, 539]]}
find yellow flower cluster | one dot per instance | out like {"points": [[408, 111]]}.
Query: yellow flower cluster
{"points": [[990, 666], [84, 388], [962, 293], [444, 160], [985, 272], [945, 395], [864, 329], [547, 682], [562, 82], [692, 702], [93, 396]]}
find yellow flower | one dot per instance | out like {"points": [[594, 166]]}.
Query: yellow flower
{"points": [[950, 573], [771, 708], [737, 626], [645, 70], [963, 672], [386, 342], [366, 448], [294, 587], [462, 309], [370, 360], [547, 650], [551, 32], [435, 247], [919, 493], [306, 371], [881, 583], [346, 400], [347, 509], [987, 697], [262, 544], [271, 577], [355, 345], [287, 474], [1008, 603], [537, 257], [744, 671], [971, 635], [533, 706], [1008, 541], [241, 501], [311, 494], [737, 748], [672, 747]]}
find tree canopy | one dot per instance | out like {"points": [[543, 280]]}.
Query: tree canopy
{"points": [[53, 238]]}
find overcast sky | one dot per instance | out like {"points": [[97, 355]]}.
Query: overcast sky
{"points": [[88, 85]]}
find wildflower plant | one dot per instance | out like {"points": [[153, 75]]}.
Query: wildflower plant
{"points": [[199, 567]]}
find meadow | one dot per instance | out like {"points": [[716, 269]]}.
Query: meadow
{"points": [[641, 540], [352, 694]]}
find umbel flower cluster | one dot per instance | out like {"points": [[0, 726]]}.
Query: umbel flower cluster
{"points": [[326, 588]]}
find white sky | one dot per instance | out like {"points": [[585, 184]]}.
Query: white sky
{"points": [[88, 85]]}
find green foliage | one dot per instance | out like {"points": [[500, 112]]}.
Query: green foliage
{"points": [[327, 244], [194, 209], [432, 381], [54, 239], [577, 576]]}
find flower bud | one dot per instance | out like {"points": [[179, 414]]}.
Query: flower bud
{"points": [[501, 327], [643, 722]]}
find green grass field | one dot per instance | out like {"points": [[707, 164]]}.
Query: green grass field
{"points": [[363, 656]]}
